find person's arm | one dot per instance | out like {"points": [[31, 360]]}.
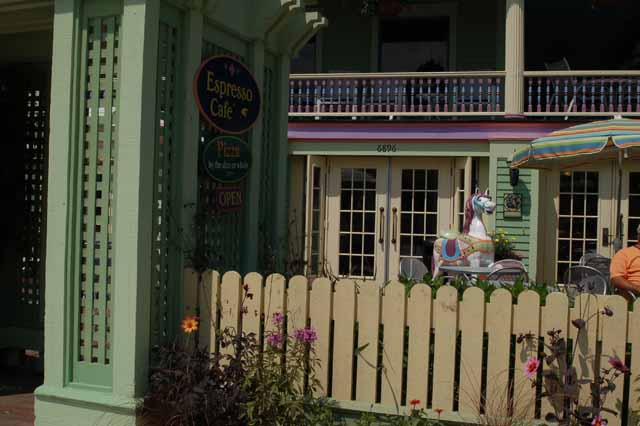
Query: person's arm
{"points": [[623, 285]]}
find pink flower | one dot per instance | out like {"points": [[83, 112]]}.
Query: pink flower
{"points": [[305, 335], [617, 364], [599, 421], [277, 318], [531, 367], [275, 340]]}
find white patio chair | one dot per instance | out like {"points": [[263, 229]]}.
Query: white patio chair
{"points": [[413, 269]]}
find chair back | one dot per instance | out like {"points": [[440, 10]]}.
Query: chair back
{"points": [[601, 263], [585, 279], [508, 276], [413, 269]]}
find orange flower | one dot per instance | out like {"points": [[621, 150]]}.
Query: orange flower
{"points": [[189, 324], [439, 411], [414, 402]]}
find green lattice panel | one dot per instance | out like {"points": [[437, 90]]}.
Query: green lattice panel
{"points": [[99, 118], [31, 246], [223, 230], [166, 233]]}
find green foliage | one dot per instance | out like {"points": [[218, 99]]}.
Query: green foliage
{"points": [[416, 417], [461, 285], [503, 246]]}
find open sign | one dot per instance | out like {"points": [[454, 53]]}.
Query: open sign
{"points": [[229, 198]]}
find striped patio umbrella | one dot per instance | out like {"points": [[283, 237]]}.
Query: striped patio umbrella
{"points": [[581, 144], [607, 140]]}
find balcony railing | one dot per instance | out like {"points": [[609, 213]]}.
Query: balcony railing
{"points": [[481, 93], [394, 94], [575, 93]]}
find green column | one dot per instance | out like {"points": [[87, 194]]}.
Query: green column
{"points": [[252, 201], [98, 245]]}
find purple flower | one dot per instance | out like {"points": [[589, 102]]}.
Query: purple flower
{"points": [[277, 318], [618, 365], [305, 335], [275, 340]]}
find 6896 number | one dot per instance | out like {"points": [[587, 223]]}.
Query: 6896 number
{"points": [[387, 148]]}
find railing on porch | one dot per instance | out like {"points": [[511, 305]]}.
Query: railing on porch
{"points": [[572, 93], [396, 94], [381, 348]]}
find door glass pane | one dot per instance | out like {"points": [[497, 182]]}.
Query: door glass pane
{"points": [[357, 223], [634, 208], [418, 218], [577, 219]]}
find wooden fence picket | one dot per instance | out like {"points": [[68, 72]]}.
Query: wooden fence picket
{"points": [[344, 317], [555, 316], [472, 326], [230, 298], [253, 304], [368, 338], [419, 323], [634, 339], [297, 303], [499, 327], [445, 318], [274, 300], [585, 342], [321, 311], [394, 308], [613, 334], [526, 320], [208, 307]]}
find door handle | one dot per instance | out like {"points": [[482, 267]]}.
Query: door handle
{"points": [[605, 237], [381, 239], [394, 226]]}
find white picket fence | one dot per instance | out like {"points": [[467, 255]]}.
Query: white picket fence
{"points": [[457, 353]]}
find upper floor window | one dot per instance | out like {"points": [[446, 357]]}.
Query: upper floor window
{"points": [[414, 44]]}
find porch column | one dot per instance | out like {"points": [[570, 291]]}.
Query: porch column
{"points": [[252, 235], [514, 57], [97, 314]]}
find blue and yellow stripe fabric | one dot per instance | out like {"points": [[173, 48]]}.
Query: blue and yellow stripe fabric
{"points": [[583, 139]]}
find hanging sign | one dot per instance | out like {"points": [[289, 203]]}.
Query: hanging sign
{"points": [[229, 199], [227, 159], [227, 94]]}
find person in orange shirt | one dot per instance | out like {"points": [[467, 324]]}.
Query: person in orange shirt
{"points": [[625, 270]]}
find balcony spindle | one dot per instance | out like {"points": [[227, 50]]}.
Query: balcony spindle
{"points": [[349, 102], [291, 88], [480, 90], [529, 97], [611, 95], [602, 95], [331, 95], [463, 84], [498, 105], [437, 95], [323, 95], [380, 89], [593, 94], [397, 97], [584, 96], [355, 97], [339, 90], [388, 103], [420, 83], [629, 83], [548, 96], [620, 91], [316, 97], [574, 94], [539, 96], [412, 94], [454, 99], [429, 95], [490, 94], [565, 90], [299, 95], [637, 95], [445, 95], [307, 84]]}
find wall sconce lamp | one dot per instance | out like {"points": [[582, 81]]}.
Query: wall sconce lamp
{"points": [[514, 176]]}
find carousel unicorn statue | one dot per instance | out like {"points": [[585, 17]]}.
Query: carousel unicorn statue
{"points": [[473, 247]]}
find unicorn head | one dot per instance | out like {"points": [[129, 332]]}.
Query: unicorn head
{"points": [[477, 204]]}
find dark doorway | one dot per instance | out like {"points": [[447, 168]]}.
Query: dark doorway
{"points": [[24, 124], [414, 44]]}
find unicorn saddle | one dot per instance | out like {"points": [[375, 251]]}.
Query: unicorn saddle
{"points": [[453, 247]]}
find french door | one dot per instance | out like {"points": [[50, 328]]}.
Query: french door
{"points": [[585, 212], [380, 210]]}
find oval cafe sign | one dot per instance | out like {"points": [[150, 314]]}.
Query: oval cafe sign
{"points": [[227, 95]]}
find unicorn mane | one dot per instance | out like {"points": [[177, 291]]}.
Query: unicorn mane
{"points": [[468, 214]]}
